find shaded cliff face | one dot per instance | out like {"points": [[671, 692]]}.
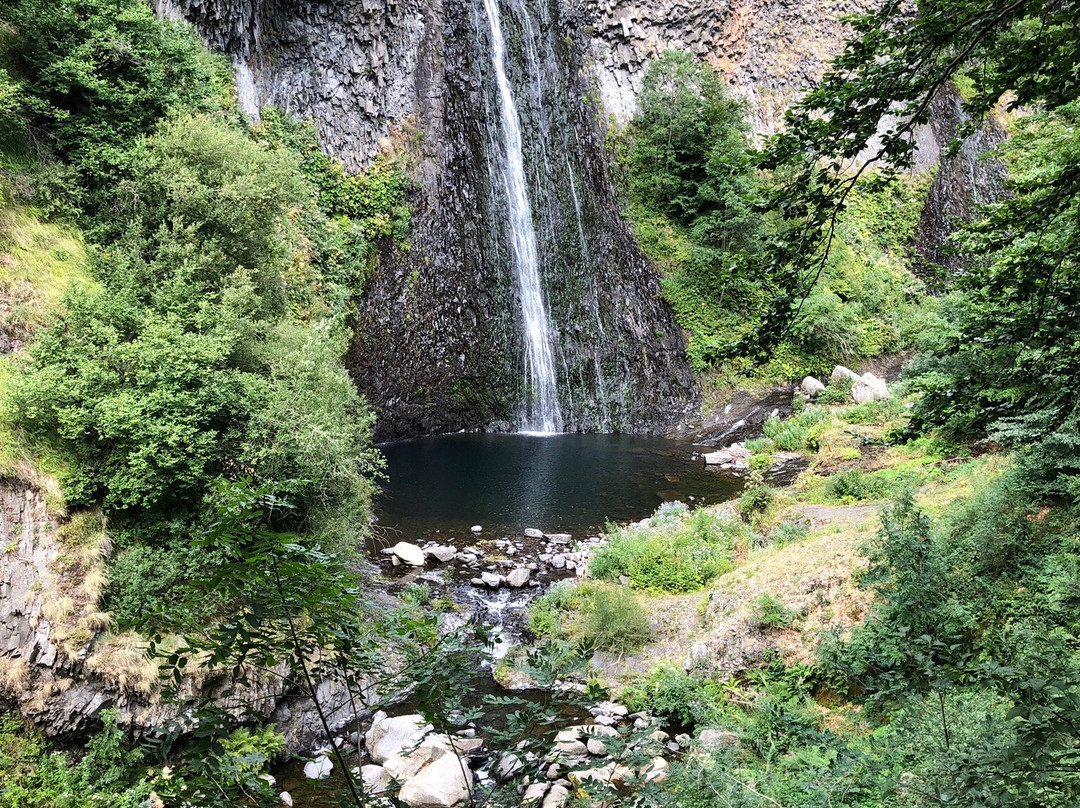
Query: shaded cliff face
{"points": [[972, 175], [439, 342], [62, 665]]}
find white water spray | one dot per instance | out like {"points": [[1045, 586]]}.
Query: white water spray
{"points": [[542, 409]]}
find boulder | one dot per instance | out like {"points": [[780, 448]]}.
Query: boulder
{"points": [[476, 529], [535, 793], [506, 767], [656, 771], [533, 533], [444, 781], [376, 779], [409, 553], [518, 577], [571, 748], [443, 552], [615, 774], [839, 373], [736, 457], [596, 746], [556, 797], [558, 561], [391, 736], [612, 708], [711, 738], [869, 388], [491, 579], [286, 798], [409, 763], [319, 768], [810, 387], [558, 538]]}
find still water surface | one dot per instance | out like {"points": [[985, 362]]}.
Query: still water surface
{"points": [[559, 484]]}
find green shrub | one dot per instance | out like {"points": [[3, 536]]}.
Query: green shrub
{"points": [[672, 694], [788, 532], [142, 577], [109, 773], [760, 445], [855, 484], [676, 552], [94, 76], [416, 594], [183, 365], [872, 412], [768, 612], [838, 392], [615, 622], [755, 500]]}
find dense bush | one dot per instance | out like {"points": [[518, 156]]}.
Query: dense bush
{"points": [[694, 201], [855, 484], [971, 619], [678, 551], [768, 613], [92, 77], [109, 773], [995, 366], [593, 617], [687, 156], [182, 365], [677, 696], [616, 622]]}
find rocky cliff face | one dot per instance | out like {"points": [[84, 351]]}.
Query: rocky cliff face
{"points": [[970, 176], [60, 662], [439, 339], [769, 51]]}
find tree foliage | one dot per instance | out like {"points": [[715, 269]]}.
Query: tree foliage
{"points": [[864, 113], [94, 75], [688, 157]]}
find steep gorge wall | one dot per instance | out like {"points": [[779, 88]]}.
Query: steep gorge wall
{"points": [[768, 51], [439, 344]]}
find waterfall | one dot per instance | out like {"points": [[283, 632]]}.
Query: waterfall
{"points": [[605, 416], [542, 405]]}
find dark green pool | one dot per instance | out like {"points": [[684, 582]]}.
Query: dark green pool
{"points": [[558, 484]]}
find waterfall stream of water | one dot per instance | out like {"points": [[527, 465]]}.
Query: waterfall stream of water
{"points": [[542, 405]]}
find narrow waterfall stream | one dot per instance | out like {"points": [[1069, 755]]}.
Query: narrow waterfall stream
{"points": [[542, 413]]}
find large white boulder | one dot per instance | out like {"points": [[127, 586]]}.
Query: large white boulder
{"points": [[319, 768], [390, 737], [810, 387], [444, 781], [409, 553], [839, 373], [376, 779], [869, 388], [408, 764], [557, 797]]}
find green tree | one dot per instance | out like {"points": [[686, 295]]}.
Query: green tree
{"points": [[93, 75], [688, 155], [864, 113], [167, 373]]}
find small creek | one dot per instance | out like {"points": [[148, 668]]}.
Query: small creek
{"points": [[439, 487]]}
